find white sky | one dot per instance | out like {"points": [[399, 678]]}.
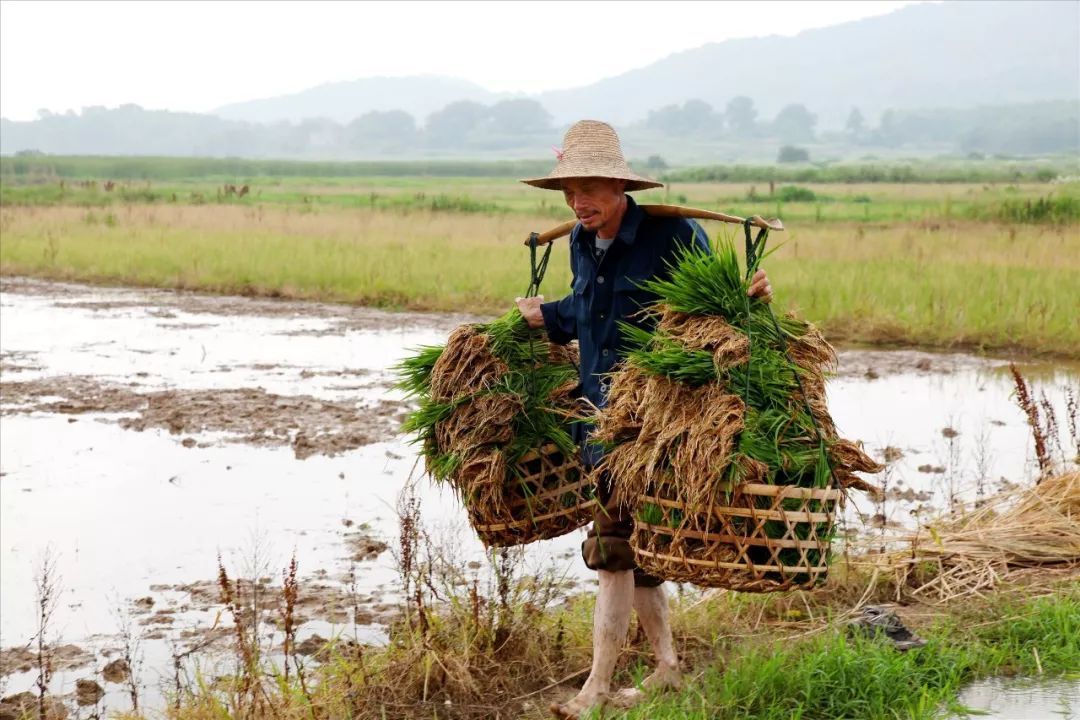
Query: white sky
{"points": [[196, 56]]}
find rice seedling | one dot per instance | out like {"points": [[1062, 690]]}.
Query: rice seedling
{"points": [[495, 405], [718, 433]]}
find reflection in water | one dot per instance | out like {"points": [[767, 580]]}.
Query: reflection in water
{"points": [[1023, 699]]}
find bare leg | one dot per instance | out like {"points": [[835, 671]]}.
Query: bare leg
{"points": [[651, 606], [611, 621]]}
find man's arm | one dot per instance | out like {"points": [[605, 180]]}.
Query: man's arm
{"points": [[558, 318]]}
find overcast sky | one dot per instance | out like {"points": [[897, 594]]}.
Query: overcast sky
{"points": [[196, 56]]}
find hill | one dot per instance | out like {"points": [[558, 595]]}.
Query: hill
{"points": [[952, 54], [344, 101]]}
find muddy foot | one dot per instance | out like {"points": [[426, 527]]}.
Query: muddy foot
{"points": [[577, 707], [662, 679]]}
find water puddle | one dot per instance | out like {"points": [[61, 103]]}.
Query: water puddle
{"points": [[1022, 699], [144, 434]]}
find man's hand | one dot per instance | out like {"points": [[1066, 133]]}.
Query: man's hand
{"points": [[530, 310], [760, 287]]}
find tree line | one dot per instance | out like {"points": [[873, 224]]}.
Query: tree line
{"points": [[467, 127], [1025, 129]]}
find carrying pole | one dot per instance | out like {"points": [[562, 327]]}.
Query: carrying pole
{"points": [[665, 211]]}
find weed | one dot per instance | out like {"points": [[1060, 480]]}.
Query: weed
{"points": [[47, 585], [1039, 432]]}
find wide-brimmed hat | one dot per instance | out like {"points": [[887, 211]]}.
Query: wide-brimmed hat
{"points": [[591, 149]]}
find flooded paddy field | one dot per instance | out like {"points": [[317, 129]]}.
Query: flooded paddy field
{"points": [[146, 433], [1022, 698]]}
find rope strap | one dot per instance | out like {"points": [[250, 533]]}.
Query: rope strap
{"points": [[537, 270]]}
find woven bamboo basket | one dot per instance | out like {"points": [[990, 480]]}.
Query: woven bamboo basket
{"points": [[760, 538], [551, 495]]}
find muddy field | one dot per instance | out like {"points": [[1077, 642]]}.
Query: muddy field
{"points": [[146, 433]]}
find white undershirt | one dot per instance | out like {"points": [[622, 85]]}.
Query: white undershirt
{"points": [[602, 245]]}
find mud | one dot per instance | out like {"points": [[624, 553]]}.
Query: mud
{"points": [[61, 657], [875, 364], [25, 705], [88, 692], [116, 671], [16, 362], [364, 547], [342, 317], [309, 425], [317, 601]]}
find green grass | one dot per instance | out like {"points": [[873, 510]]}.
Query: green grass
{"points": [[941, 171], [829, 676], [1015, 191], [875, 171], [177, 168]]}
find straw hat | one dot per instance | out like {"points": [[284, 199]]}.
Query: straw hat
{"points": [[591, 149]]}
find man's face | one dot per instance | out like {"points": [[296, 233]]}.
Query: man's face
{"points": [[595, 201]]}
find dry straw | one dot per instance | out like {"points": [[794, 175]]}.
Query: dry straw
{"points": [[1037, 527], [494, 409]]}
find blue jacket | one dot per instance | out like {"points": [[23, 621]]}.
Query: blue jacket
{"points": [[607, 292]]}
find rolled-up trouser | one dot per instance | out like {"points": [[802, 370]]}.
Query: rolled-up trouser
{"points": [[607, 546]]}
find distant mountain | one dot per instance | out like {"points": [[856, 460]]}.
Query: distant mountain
{"points": [[951, 54], [344, 101], [968, 77]]}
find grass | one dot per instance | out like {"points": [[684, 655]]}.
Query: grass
{"points": [[798, 205], [935, 282], [829, 676], [876, 171], [495, 652]]}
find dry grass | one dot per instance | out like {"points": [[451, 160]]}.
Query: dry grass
{"points": [[975, 552], [928, 283]]}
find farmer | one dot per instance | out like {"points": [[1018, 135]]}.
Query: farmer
{"points": [[614, 248]]}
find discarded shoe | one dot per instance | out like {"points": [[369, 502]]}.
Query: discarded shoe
{"points": [[876, 621]]}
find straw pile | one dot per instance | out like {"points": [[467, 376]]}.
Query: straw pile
{"points": [[706, 409], [495, 404], [1037, 527]]}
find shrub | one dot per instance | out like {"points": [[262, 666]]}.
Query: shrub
{"points": [[796, 193], [792, 154]]}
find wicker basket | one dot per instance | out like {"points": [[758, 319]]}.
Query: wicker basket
{"points": [[550, 496], [765, 538]]}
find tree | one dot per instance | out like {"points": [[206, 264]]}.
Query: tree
{"points": [[453, 124], [741, 115], [792, 154], [695, 117], [889, 132], [795, 123], [855, 125], [656, 162], [519, 117], [378, 129], [312, 134], [667, 119]]}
